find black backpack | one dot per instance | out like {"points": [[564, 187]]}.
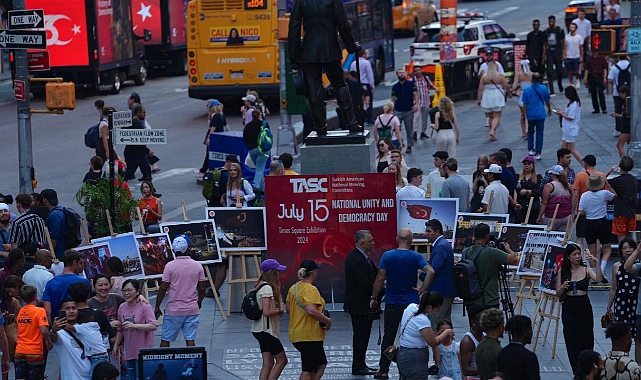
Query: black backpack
{"points": [[250, 304], [466, 277], [73, 237], [623, 79]]}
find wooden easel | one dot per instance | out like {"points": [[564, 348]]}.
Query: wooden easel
{"points": [[551, 224], [428, 191], [243, 280], [416, 246], [529, 210], [85, 231], [551, 315], [527, 290]]}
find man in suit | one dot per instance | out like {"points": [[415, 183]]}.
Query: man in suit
{"points": [[442, 261], [318, 50], [360, 273]]}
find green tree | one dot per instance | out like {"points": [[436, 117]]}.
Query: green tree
{"points": [[94, 199]]}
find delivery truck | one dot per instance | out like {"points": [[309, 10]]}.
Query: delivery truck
{"points": [[166, 51], [93, 43]]}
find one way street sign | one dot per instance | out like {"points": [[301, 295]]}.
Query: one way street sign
{"points": [[26, 19], [23, 39]]}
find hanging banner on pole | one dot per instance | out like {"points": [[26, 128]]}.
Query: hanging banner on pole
{"points": [[316, 217]]}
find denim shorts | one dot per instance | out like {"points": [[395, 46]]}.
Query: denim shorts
{"points": [[171, 325], [29, 366]]}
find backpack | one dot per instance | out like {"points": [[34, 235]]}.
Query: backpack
{"points": [[250, 304], [623, 79], [385, 131], [92, 136], [73, 238], [211, 184], [265, 139], [466, 277]]}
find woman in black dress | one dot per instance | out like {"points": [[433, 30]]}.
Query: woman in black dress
{"points": [[576, 315], [622, 304]]}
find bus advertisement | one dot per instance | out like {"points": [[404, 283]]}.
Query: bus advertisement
{"points": [[232, 44]]}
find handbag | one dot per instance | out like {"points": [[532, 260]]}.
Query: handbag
{"points": [[391, 352], [325, 312], [11, 330], [606, 320]]}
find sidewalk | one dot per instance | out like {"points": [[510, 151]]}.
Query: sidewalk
{"points": [[233, 352]]}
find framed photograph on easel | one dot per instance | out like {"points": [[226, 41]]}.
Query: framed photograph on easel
{"points": [[465, 223], [155, 252], [202, 238], [239, 229], [125, 247]]}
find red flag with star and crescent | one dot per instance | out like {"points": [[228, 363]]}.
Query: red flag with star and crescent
{"points": [[146, 15], [66, 31]]}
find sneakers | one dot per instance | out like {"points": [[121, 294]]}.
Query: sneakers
{"points": [[577, 84], [595, 111], [604, 112], [616, 133], [424, 136], [408, 150], [414, 136], [531, 153], [537, 157]]}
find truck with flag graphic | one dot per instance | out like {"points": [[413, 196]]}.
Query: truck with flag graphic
{"points": [[93, 43], [166, 51]]}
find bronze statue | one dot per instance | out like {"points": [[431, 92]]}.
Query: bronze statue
{"points": [[318, 50]]}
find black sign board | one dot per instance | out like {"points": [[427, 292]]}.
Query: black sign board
{"points": [[26, 19]]}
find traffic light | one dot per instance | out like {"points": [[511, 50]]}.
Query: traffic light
{"points": [[60, 95], [603, 41]]}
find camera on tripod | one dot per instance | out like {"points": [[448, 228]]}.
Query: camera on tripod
{"points": [[497, 243]]}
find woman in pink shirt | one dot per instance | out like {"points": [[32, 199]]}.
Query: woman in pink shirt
{"points": [[137, 326]]}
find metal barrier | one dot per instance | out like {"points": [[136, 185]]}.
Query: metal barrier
{"points": [[460, 77]]}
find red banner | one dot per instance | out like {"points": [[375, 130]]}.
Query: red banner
{"points": [[66, 27], [316, 217], [114, 26]]}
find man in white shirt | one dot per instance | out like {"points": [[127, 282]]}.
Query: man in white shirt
{"points": [[367, 83], [584, 26], [70, 352], [39, 275], [613, 78], [434, 179], [573, 55], [414, 180], [498, 193], [489, 57]]}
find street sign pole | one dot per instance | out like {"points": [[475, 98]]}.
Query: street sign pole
{"points": [[25, 153], [634, 148], [112, 175]]}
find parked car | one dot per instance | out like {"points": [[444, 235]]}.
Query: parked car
{"points": [[410, 15], [474, 32]]}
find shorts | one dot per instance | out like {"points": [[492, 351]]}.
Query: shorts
{"points": [[580, 226], [622, 225], [493, 109], [30, 367], [597, 229], [569, 139], [572, 64], [312, 355], [172, 324], [268, 343], [625, 126]]}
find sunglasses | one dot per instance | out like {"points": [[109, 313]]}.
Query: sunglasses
{"points": [[382, 144]]}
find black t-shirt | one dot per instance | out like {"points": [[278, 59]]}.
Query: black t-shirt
{"points": [[534, 45], [251, 132], [218, 121], [517, 362], [92, 177], [627, 188], [555, 39]]}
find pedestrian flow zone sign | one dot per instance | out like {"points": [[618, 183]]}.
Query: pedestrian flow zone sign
{"points": [[140, 136]]}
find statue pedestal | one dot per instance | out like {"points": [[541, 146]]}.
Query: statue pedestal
{"points": [[338, 152]]}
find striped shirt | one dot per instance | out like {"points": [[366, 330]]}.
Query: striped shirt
{"points": [[423, 86], [27, 227]]}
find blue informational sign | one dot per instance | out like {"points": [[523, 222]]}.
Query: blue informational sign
{"points": [[634, 40]]}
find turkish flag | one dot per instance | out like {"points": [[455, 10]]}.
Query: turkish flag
{"points": [[66, 31], [419, 211], [146, 15]]}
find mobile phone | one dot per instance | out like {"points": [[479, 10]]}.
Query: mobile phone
{"points": [[62, 314], [555, 111]]}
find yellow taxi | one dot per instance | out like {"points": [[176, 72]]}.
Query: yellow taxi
{"points": [[410, 15]]}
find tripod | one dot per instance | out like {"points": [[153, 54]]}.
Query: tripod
{"points": [[504, 293]]}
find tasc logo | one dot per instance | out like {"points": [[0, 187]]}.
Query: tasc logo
{"points": [[308, 185]]}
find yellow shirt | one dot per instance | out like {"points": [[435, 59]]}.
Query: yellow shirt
{"points": [[290, 172], [302, 327]]}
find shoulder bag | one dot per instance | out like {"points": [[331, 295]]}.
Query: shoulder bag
{"points": [[391, 352], [325, 311]]}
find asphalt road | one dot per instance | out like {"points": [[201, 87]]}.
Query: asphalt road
{"points": [[61, 159]]}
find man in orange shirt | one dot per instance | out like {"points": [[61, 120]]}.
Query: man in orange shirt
{"points": [[580, 181], [33, 329]]}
